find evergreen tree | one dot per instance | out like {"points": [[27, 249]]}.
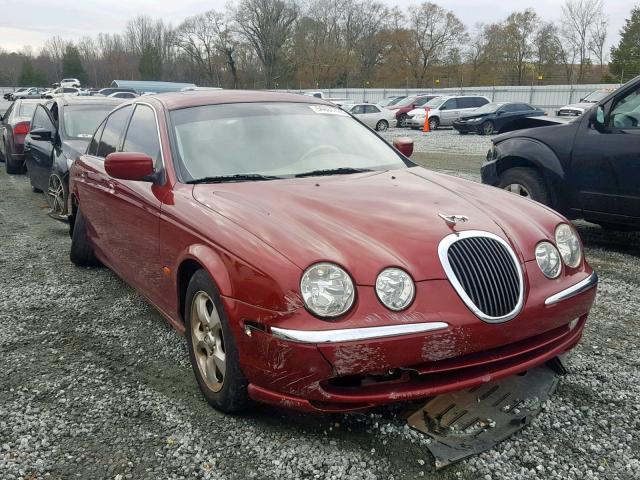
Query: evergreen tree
{"points": [[625, 58], [150, 64], [72, 65], [31, 76]]}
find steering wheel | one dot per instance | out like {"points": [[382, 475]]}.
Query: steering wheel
{"points": [[316, 151]]}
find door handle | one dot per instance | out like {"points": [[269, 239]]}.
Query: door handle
{"points": [[111, 185]]}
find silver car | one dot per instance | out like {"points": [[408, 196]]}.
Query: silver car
{"points": [[373, 116], [443, 111]]}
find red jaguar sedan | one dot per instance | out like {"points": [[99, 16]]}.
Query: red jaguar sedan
{"points": [[310, 264]]}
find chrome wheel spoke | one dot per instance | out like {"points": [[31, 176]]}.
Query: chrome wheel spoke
{"points": [[208, 341]]}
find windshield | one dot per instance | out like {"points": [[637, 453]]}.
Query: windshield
{"points": [[275, 140], [435, 103], [405, 102], [27, 109], [81, 121], [596, 96], [488, 108]]}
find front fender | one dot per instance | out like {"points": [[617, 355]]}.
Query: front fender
{"points": [[211, 261], [529, 149]]}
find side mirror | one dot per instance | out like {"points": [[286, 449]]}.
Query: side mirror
{"points": [[404, 145], [500, 112], [41, 134], [129, 166], [598, 118]]}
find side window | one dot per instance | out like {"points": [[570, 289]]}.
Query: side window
{"points": [[142, 135], [421, 101], [113, 130], [466, 102], [450, 104], [371, 109], [41, 119], [480, 101], [95, 140], [626, 111], [357, 110], [524, 107], [512, 107]]}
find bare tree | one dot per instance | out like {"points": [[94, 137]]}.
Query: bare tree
{"points": [[578, 20], [267, 26], [598, 39], [428, 32], [54, 48]]}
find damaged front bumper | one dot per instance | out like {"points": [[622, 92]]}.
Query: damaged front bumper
{"points": [[326, 369]]}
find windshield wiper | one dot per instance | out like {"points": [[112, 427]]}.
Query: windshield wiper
{"points": [[333, 171], [241, 177]]}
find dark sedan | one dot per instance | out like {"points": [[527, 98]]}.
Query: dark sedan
{"points": [[14, 126], [493, 117], [61, 130]]}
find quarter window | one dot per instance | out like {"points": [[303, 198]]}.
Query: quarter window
{"points": [[142, 135], [113, 130], [95, 141]]}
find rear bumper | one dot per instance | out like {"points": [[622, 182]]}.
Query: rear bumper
{"points": [[295, 361]]}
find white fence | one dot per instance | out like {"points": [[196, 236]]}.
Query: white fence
{"points": [[547, 97]]}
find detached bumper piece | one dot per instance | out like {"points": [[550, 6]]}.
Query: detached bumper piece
{"points": [[468, 422]]}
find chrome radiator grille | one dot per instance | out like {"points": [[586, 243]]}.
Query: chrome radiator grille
{"points": [[485, 272]]}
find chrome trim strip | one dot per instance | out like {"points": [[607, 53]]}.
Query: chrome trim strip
{"points": [[443, 249], [355, 334], [580, 287]]}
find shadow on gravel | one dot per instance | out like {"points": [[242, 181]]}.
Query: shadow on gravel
{"points": [[594, 236]]}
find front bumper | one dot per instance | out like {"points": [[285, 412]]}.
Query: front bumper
{"points": [[288, 367], [415, 121], [465, 127]]}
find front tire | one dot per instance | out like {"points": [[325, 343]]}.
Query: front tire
{"points": [[57, 196], [434, 123], [402, 120], [487, 128], [525, 182], [81, 253], [212, 348], [382, 125]]}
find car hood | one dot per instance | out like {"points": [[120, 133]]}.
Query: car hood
{"points": [[366, 222], [581, 105], [537, 126], [471, 116]]}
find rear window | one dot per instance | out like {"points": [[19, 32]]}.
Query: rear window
{"points": [[27, 109], [81, 121]]}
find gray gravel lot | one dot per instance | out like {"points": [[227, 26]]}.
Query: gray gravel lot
{"points": [[95, 384]]}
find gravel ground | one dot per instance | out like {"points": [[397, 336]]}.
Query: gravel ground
{"points": [[95, 384], [443, 140]]}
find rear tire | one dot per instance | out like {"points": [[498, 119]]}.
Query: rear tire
{"points": [[212, 347], [12, 168], [81, 253], [382, 125], [525, 182]]}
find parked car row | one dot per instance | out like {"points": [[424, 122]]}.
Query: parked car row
{"points": [[66, 90], [310, 264]]}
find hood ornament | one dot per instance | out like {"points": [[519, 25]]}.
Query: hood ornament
{"points": [[452, 220]]}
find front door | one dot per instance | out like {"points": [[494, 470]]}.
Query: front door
{"points": [[133, 209], [38, 154], [449, 112], [606, 160]]}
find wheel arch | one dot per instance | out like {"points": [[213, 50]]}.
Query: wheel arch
{"points": [[200, 257]]}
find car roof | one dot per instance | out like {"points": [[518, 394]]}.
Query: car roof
{"points": [[196, 98], [89, 100]]}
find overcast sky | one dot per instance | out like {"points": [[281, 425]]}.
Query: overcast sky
{"points": [[29, 22]]}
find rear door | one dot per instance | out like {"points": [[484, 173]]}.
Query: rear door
{"points": [[38, 154]]}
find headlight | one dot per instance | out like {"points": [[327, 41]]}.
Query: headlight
{"points": [[395, 289], [548, 259], [568, 245], [327, 290]]}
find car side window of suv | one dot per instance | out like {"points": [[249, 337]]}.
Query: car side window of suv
{"points": [[142, 134], [450, 104], [625, 113], [113, 130], [466, 102]]}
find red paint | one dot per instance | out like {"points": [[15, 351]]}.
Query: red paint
{"points": [[256, 238], [128, 166], [404, 145]]}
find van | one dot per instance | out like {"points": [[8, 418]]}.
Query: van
{"points": [[443, 111]]}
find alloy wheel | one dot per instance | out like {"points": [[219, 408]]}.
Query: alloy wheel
{"points": [[518, 189], [487, 128], [55, 196], [208, 341], [382, 126]]}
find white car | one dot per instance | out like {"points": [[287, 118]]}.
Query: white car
{"points": [[60, 91], [373, 116], [123, 95], [70, 82], [443, 111]]}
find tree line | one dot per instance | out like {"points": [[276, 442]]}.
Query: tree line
{"points": [[340, 44]]}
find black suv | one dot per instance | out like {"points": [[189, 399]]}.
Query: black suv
{"points": [[588, 168]]}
